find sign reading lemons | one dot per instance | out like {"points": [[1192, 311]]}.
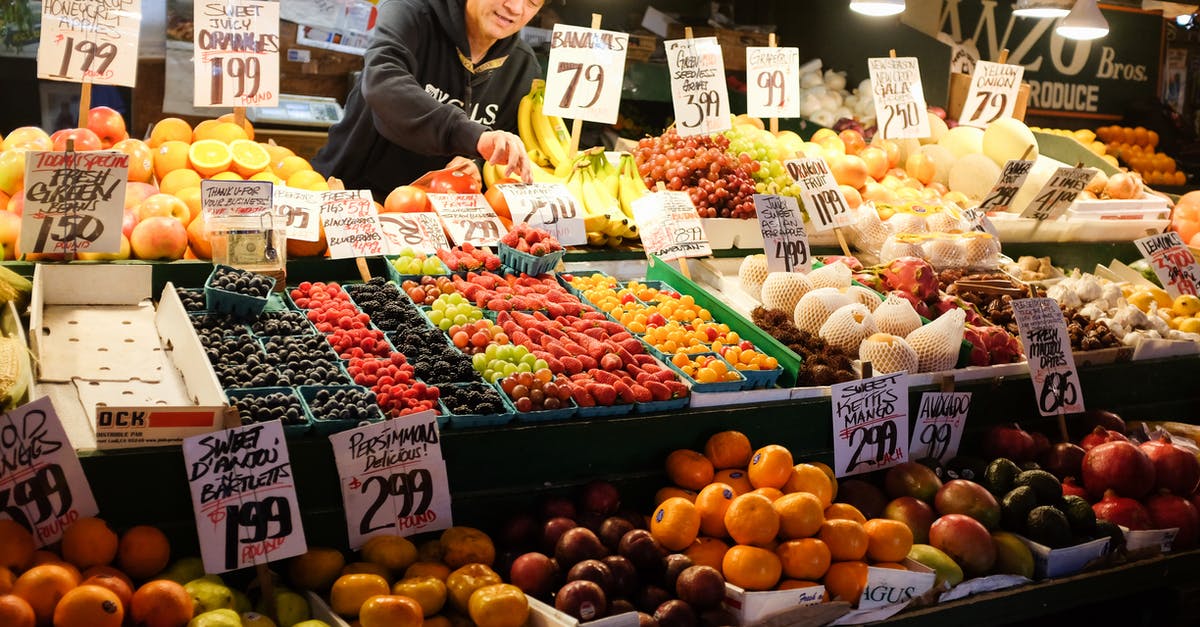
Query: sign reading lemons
{"points": [[1173, 263]]}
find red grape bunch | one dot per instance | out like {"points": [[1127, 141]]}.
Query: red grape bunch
{"points": [[720, 185]]}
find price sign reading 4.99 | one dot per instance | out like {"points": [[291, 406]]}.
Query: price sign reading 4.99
{"points": [[42, 485], [938, 428], [826, 204], [420, 231], [698, 88], [1172, 261], [870, 424], [670, 227], [93, 42], [587, 68], [773, 82], [1048, 348], [993, 93], [548, 206], [468, 218], [1058, 193], [784, 240], [393, 478], [351, 224], [74, 201], [900, 109], [237, 53], [244, 497]]}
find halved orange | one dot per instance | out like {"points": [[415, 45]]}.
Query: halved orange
{"points": [[249, 157], [209, 156]]}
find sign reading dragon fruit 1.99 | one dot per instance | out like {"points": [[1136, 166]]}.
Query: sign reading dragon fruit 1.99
{"points": [[237, 53]]}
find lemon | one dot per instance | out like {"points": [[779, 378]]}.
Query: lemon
{"points": [[1186, 304], [1189, 325], [1141, 299]]}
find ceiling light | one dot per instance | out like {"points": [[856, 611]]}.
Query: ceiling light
{"points": [[1084, 22], [877, 8], [1042, 8]]}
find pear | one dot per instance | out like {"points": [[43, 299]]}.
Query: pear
{"points": [[217, 618], [254, 619], [210, 595], [312, 623], [290, 608], [184, 570]]}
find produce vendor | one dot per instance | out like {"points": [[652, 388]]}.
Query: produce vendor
{"points": [[441, 82]]}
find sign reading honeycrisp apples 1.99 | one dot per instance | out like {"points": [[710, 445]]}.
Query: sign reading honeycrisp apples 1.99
{"points": [[870, 424], [92, 42], [1051, 363], [351, 224], [900, 109], [42, 485], [587, 68], [773, 82], [74, 201], [698, 90], [670, 227], [237, 53]]}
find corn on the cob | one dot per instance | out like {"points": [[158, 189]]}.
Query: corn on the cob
{"points": [[13, 378]]}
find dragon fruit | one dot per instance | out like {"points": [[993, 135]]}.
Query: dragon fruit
{"points": [[942, 303], [913, 275], [919, 305], [1003, 348], [979, 350], [871, 280]]}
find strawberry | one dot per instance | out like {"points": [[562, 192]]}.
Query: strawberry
{"points": [[588, 362], [570, 364], [603, 376], [643, 359], [641, 394], [678, 389], [658, 391], [610, 362], [624, 391], [632, 345], [664, 375], [604, 394]]}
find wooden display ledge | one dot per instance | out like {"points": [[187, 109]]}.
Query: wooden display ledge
{"points": [[303, 143]]}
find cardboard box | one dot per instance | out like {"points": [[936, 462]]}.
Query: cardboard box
{"points": [[542, 615], [733, 41], [642, 45], [1150, 542], [121, 372], [1050, 563], [322, 611], [752, 607]]}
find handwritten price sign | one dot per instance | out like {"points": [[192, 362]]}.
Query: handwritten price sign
{"points": [[235, 200], [420, 231], [237, 53], [939, 425], [299, 210], [244, 497], [1172, 261], [670, 227], [468, 218], [74, 201], [784, 238], [899, 98], [1012, 177], [351, 224], [773, 82], [393, 478], [826, 204], [698, 90], [587, 68], [93, 42], [993, 93], [1058, 193], [1048, 348], [42, 485], [870, 423], [548, 206]]}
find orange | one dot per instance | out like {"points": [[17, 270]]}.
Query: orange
{"points": [[466, 580], [689, 469], [427, 569], [750, 519], [170, 156], [811, 479], [191, 197], [887, 540], [466, 545], [249, 157], [16, 612], [209, 156], [751, 568], [16, 545], [228, 175], [365, 568], [177, 180], [350, 592], [498, 605], [316, 569], [105, 571], [276, 151], [224, 132], [161, 603], [891, 565], [89, 542], [712, 502], [170, 129], [246, 125], [728, 449], [675, 523], [770, 467], [735, 478], [846, 539], [118, 585], [141, 159], [89, 606], [807, 558], [771, 493], [846, 581], [308, 179], [429, 592], [430, 551], [289, 165], [42, 587], [143, 552], [800, 515], [828, 470], [390, 610], [844, 511], [707, 552], [392, 552], [7, 578]]}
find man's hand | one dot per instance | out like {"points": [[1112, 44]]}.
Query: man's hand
{"points": [[506, 149]]}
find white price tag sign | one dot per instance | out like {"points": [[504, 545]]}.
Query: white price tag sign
{"points": [[1012, 177], [773, 82], [421, 231], [938, 428], [1048, 348], [547, 206], [468, 218], [42, 485], [993, 93], [670, 227], [1058, 193], [698, 89], [784, 240], [393, 478], [234, 200], [826, 204], [244, 497], [892, 586], [351, 224], [74, 201], [1172, 261], [92, 42], [300, 211], [587, 68], [900, 109], [236, 58], [870, 423]]}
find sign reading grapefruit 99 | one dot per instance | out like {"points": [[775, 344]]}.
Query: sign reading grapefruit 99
{"points": [[237, 53]]}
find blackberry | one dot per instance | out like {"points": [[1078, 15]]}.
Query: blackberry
{"points": [[472, 398]]}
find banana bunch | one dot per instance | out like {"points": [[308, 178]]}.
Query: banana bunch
{"points": [[593, 186], [546, 137]]}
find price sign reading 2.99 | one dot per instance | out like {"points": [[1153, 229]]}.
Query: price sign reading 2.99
{"points": [[698, 89], [94, 42], [870, 424], [237, 53], [587, 69], [899, 98], [1051, 363], [773, 82]]}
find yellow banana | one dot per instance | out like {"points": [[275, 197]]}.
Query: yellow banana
{"points": [[546, 138], [490, 174], [596, 239], [631, 186], [525, 123], [538, 157], [605, 172], [592, 222], [614, 241], [559, 127], [542, 175], [599, 201]]}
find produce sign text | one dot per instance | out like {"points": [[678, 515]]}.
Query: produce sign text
{"points": [[1048, 348], [870, 424], [351, 224], [698, 90], [74, 201], [237, 53], [93, 42]]}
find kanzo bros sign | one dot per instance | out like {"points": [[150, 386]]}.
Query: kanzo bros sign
{"points": [[1092, 79]]}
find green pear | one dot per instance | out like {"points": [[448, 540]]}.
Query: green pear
{"points": [[290, 608], [217, 618], [254, 619], [241, 602], [184, 570], [210, 595], [312, 623]]}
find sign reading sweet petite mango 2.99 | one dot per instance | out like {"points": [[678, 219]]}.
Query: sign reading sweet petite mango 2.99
{"points": [[93, 42], [237, 53]]}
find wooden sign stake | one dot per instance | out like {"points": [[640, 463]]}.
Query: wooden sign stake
{"points": [[1003, 56], [774, 122], [364, 272], [266, 587], [577, 123], [239, 116], [85, 103], [867, 370], [1062, 427], [683, 265], [841, 237], [948, 383]]}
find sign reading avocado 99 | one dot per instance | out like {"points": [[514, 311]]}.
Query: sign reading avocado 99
{"points": [[870, 424], [237, 53]]}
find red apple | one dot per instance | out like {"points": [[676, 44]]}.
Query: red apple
{"points": [[27, 138], [16, 204], [129, 221], [164, 205], [108, 125], [84, 138], [159, 237], [135, 193], [198, 238]]}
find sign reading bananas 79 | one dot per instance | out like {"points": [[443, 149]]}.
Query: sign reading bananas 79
{"points": [[586, 70]]}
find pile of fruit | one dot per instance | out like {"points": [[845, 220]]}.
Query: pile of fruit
{"points": [[1087, 137], [1136, 148], [720, 184]]}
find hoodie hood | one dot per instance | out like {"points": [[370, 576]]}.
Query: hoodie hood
{"points": [[452, 15]]}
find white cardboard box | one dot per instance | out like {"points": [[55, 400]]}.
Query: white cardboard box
{"points": [[751, 607], [121, 372], [1065, 561], [543, 615]]}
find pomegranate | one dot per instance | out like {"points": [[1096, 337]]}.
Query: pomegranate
{"points": [[1009, 441], [1119, 466], [1122, 511], [1071, 486], [1100, 435], [1175, 468], [1104, 418], [1167, 510], [1041, 444], [1063, 460]]}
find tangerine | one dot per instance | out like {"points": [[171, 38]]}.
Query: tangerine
{"points": [[365, 568], [169, 129], [89, 542], [7, 578], [688, 469], [498, 605], [394, 553], [427, 569], [119, 586], [810, 478], [89, 606], [428, 591], [770, 467], [350, 592], [316, 569], [42, 587], [171, 155], [728, 449], [712, 502], [751, 568], [800, 515], [887, 540], [466, 580], [675, 523], [161, 603], [844, 511], [466, 545], [846, 539], [771, 493], [707, 552], [390, 610], [16, 545], [16, 612], [846, 581], [828, 470], [750, 519], [735, 478], [807, 558]]}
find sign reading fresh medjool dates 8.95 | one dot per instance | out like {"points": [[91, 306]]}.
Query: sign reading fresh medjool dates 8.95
{"points": [[237, 53]]}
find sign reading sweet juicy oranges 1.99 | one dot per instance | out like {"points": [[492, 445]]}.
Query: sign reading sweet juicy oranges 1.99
{"points": [[237, 53]]}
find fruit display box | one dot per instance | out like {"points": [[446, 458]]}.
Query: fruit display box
{"points": [[121, 372], [1050, 563], [234, 303], [289, 430], [727, 233], [1074, 228], [1150, 542], [543, 615], [752, 607], [533, 265]]}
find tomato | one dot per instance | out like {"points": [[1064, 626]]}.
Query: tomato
{"points": [[406, 199], [454, 182], [497, 201]]}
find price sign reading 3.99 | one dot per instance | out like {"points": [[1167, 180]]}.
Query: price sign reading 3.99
{"points": [[826, 204], [1173, 263], [93, 42], [548, 206], [74, 201], [468, 218], [993, 93], [237, 53], [1051, 363], [773, 82], [870, 424], [698, 89], [900, 109], [587, 69], [784, 240], [938, 428]]}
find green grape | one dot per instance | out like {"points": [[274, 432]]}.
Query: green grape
{"points": [[524, 367], [479, 361], [540, 364], [492, 351], [460, 320]]}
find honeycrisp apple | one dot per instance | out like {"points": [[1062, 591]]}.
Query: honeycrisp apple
{"points": [[159, 237], [164, 205], [84, 139], [135, 193], [129, 220], [27, 138], [108, 125]]}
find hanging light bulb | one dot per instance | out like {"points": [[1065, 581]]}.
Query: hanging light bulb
{"points": [[1042, 8], [1085, 22], [877, 8]]}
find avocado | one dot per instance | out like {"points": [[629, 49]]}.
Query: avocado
{"points": [[965, 467], [1015, 508], [1079, 514], [1030, 465], [1048, 526], [1045, 485], [999, 475], [1116, 538]]}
